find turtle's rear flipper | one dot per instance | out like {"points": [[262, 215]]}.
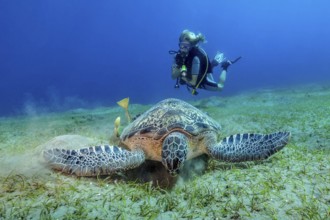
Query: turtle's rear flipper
{"points": [[248, 147], [93, 161]]}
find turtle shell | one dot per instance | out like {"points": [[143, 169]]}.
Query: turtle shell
{"points": [[168, 115]]}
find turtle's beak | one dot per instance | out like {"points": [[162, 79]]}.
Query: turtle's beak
{"points": [[173, 166]]}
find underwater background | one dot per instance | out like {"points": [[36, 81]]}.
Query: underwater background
{"points": [[60, 55], [64, 64]]}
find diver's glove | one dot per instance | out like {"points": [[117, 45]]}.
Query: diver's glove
{"points": [[219, 58], [226, 64]]}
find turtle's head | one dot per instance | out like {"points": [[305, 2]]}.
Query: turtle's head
{"points": [[174, 152]]}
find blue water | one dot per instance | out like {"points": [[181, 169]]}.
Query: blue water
{"points": [[62, 54]]}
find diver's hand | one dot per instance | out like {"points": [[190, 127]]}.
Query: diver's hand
{"points": [[175, 71]]}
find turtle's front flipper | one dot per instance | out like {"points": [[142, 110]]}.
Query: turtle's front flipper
{"points": [[93, 161], [248, 147]]}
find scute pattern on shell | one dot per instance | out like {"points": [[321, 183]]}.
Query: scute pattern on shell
{"points": [[168, 115]]}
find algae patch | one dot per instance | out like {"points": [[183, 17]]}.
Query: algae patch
{"points": [[292, 184]]}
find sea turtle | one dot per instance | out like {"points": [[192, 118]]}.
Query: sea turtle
{"points": [[170, 132]]}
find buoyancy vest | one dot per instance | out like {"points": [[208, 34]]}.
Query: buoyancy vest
{"points": [[195, 51]]}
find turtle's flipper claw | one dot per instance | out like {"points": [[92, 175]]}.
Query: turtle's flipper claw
{"points": [[248, 147], [93, 161]]}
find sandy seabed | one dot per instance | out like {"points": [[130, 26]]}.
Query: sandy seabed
{"points": [[292, 184]]}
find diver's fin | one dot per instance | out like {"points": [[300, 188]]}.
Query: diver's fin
{"points": [[124, 104], [237, 59]]}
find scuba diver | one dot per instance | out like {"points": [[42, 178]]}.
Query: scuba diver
{"points": [[192, 66]]}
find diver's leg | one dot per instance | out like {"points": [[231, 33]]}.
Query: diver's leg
{"points": [[222, 79]]}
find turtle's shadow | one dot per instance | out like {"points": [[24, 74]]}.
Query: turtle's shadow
{"points": [[157, 174]]}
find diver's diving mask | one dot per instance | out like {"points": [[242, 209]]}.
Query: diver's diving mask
{"points": [[184, 46]]}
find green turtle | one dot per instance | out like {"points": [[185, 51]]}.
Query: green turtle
{"points": [[170, 132]]}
